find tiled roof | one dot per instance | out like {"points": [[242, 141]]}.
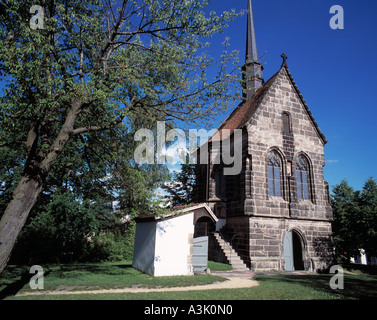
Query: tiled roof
{"points": [[243, 112]]}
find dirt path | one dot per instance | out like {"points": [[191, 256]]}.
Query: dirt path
{"points": [[234, 281]]}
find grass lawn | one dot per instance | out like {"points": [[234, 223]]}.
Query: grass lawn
{"points": [[120, 275], [97, 276]]}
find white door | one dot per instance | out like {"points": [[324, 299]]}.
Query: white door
{"points": [[200, 254], [288, 252]]}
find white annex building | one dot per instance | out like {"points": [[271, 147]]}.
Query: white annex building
{"points": [[173, 244]]}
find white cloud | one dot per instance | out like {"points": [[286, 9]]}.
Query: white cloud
{"points": [[332, 161], [175, 153]]}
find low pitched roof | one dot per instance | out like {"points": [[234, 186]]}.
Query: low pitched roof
{"points": [[177, 212]]}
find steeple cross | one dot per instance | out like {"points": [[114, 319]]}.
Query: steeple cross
{"points": [[284, 56]]}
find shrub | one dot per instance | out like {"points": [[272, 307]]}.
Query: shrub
{"points": [[112, 246]]}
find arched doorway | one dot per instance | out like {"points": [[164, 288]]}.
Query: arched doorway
{"points": [[204, 227], [293, 251]]}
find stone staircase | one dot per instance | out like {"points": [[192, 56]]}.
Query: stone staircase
{"points": [[231, 255]]}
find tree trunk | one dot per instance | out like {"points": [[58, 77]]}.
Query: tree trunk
{"points": [[15, 215], [25, 196]]}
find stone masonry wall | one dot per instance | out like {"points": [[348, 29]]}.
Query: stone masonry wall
{"points": [[266, 242], [256, 222], [266, 134], [270, 218], [259, 241]]}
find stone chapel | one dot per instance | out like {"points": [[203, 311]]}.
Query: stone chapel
{"points": [[275, 214]]}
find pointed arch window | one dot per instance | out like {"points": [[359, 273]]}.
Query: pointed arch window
{"points": [[274, 175], [303, 178]]}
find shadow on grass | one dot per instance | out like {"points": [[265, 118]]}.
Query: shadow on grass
{"points": [[13, 278], [13, 287], [357, 287], [21, 280]]}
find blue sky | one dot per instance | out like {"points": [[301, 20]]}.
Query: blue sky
{"points": [[335, 70]]}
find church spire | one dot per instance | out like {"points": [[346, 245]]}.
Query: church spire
{"points": [[251, 43], [252, 70]]}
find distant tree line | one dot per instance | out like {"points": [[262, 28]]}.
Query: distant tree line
{"points": [[355, 219]]}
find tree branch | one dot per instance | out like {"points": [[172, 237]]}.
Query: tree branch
{"points": [[109, 42], [98, 128], [101, 128]]}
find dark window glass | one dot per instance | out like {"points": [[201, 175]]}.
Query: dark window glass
{"points": [[274, 175], [302, 178]]}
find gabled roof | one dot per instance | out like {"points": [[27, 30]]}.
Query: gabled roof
{"points": [[244, 111], [321, 135]]}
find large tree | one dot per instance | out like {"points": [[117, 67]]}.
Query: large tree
{"points": [[89, 66]]}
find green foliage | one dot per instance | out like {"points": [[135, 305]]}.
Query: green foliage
{"points": [[77, 201], [343, 203], [107, 248], [112, 246], [355, 219], [10, 173], [181, 188], [107, 54], [367, 203], [72, 233], [73, 95], [56, 233]]}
